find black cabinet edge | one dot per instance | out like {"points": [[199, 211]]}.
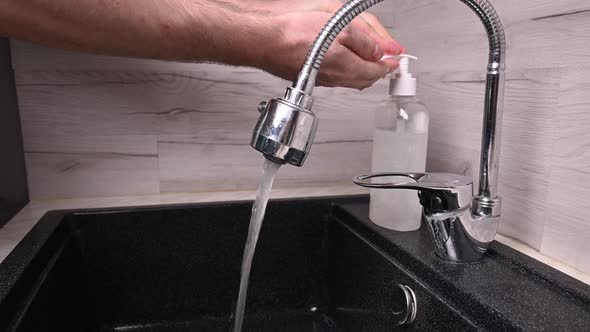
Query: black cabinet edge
{"points": [[13, 178]]}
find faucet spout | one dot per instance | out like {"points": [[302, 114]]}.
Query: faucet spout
{"points": [[494, 91], [286, 128]]}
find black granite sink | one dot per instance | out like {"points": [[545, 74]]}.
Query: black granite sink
{"points": [[320, 266]]}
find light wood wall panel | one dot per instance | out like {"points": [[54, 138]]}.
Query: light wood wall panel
{"points": [[234, 166], [567, 227], [63, 166], [539, 33], [197, 119], [185, 127]]}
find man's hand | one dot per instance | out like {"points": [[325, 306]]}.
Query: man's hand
{"points": [[273, 35], [352, 60]]}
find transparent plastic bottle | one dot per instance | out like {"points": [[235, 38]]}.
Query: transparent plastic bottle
{"points": [[399, 145]]}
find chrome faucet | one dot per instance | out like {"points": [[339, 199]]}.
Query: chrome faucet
{"points": [[461, 223]]}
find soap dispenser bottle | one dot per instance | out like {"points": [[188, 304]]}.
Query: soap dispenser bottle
{"points": [[399, 145]]}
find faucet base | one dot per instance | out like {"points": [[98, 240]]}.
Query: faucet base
{"points": [[452, 239], [461, 226]]}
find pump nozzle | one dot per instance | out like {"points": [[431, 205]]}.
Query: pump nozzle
{"points": [[403, 83], [404, 65]]}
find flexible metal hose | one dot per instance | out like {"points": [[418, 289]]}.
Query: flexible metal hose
{"points": [[489, 17], [349, 11], [332, 29], [493, 106]]}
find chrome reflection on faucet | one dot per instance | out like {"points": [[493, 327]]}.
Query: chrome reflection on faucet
{"points": [[462, 224], [458, 231]]}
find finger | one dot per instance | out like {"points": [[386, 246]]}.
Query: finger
{"points": [[367, 84], [370, 71], [364, 74], [392, 63], [361, 43], [374, 23], [342, 67], [387, 44]]}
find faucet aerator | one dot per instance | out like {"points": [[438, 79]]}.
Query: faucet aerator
{"points": [[284, 132]]}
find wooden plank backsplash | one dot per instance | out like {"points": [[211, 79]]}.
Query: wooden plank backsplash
{"points": [[180, 131], [101, 126]]}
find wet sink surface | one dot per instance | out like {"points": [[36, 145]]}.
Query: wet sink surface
{"points": [[320, 265]]}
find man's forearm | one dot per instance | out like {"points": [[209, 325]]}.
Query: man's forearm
{"points": [[197, 30], [273, 35]]}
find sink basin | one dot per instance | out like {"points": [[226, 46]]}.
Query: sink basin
{"points": [[320, 265]]}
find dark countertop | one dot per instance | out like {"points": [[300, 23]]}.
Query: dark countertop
{"points": [[506, 286], [339, 263]]}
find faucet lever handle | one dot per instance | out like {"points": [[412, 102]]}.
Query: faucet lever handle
{"points": [[439, 191]]}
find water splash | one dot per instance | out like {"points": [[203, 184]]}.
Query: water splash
{"points": [[269, 171]]}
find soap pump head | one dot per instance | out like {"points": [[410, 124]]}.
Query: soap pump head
{"points": [[403, 83]]}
